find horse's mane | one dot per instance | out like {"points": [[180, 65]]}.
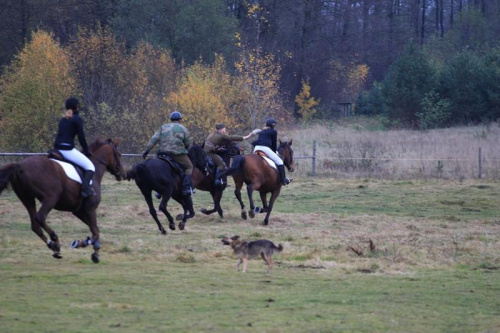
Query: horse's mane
{"points": [[98, 143]]}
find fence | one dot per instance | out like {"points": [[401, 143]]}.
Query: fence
{"points": [[369, 166]]}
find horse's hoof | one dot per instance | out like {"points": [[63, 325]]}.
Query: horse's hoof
{"points": [[179, 217], [265, 222], [258, 209], [171, 226], [74, 244], [163, 232], [181, 225], [251, 214], [95, 258], [57, 255], [204, 211], [244, 215]]}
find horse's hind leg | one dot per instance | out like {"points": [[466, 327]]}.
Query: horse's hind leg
{"points": [[163, 208], [237, 194], [152, 210], [263, 198], [37, 222], [251, 212]]}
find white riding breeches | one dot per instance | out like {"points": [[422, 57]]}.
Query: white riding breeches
{"points": [[75, 156], [270, 153]]}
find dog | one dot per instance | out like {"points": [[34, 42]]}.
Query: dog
{"points": [[248, 250]]}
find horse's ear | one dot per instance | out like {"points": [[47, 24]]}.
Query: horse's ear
{"points": [[117, 142], [290, 143]]}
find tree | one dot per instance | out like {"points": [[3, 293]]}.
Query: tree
{"points": [[306, 102], [33, 90]]}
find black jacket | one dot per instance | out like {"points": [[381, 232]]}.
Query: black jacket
{"points": [[268, 138], [66, 132]]}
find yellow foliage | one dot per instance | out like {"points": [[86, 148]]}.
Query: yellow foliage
{"points": [[33, 90], [305, 102]]}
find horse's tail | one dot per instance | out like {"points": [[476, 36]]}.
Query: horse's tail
{"points": [[236, 166], [6, 173]]}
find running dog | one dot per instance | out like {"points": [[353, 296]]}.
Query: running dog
{"points": [[249, 250]]}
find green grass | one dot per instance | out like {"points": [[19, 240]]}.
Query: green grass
{"points": [[435, 268]]}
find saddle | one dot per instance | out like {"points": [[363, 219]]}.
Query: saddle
{"points": [[55, 155], [175, 166]]}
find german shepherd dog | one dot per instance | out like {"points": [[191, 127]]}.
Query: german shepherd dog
{"points": [[249, 250]]}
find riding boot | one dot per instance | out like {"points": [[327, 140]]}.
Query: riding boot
{"points": [[219, 179], [284, 180], [187, 185], [87, 189]]}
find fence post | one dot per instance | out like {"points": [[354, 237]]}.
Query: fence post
{"points": [[314, 159], [480, 165]]}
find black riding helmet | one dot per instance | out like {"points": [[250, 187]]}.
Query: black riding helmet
{"points": [[270, 122], [72, 104], [176, 115]]}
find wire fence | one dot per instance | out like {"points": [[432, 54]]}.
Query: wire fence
{"points": [[480, 166]]}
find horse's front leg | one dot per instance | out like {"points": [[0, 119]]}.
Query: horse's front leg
{"points": [[89, 217], [263, 198], [215, 196]]}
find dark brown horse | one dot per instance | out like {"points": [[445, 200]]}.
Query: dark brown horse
{"points": [[38, 177], [256, 173], [203, 178]]}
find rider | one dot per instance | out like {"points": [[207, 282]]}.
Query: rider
{"points": [[71, 125], [214, 141], [266, 142], [173, 140]]}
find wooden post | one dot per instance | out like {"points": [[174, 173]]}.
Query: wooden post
{"points": [[480, 165], [314, 159]]}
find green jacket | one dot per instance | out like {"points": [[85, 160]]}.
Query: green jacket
{"points": [[172, 138], [216, 139]]}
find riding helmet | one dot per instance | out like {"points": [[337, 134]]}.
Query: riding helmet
{"points": [[72, 104], [270, 122], [176, 115]]}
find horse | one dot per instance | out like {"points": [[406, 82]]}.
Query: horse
{"points": [[39, 177], [203, 179], [254, 171], [159, 175]]}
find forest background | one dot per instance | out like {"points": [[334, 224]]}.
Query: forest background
{"points": [[411, 63]]}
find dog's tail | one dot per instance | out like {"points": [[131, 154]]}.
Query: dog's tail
{"points": [[278, 248]]}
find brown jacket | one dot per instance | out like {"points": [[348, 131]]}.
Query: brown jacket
{"points": [[216, 139]]}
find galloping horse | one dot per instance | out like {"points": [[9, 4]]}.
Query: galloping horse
{"points": [[204, 180], [38, 177], [158, 175], [254, 171]]}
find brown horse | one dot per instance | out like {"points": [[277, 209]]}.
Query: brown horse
{"points": [[254, 171], [203, 178], [38, 177]]}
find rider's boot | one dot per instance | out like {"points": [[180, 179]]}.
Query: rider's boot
{"points": [[219, 179], [283, 179], [87, 189], [187, 185]]}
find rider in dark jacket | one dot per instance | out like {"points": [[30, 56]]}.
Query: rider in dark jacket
{"points": [[267, 143], [71, 125]]}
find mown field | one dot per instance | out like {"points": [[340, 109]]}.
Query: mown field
{"points": [[434, 263]]}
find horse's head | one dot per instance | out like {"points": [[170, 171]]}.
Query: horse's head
{"points": [[286, 152], [106, 152], [229, 148], [198, 157]]}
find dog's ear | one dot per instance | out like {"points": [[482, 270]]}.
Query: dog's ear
{"points": [[236, 237]]}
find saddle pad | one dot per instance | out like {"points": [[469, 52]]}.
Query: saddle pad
{"points": [[270, 162], [70, 171]]}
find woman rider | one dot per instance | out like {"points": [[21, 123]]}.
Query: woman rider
{"points": [[267, 142], [71, 125]]}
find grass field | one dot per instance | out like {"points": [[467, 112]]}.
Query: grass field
{"points": [[434, 263]]}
